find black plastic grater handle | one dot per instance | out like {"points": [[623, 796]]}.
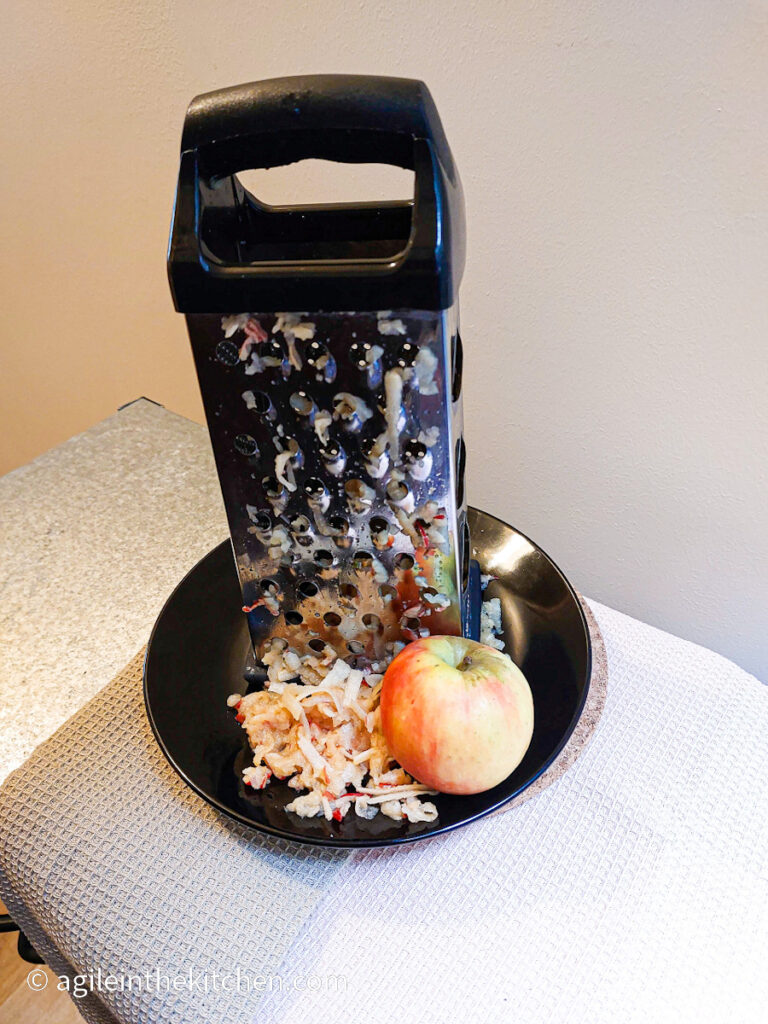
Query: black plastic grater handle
{"points": [[347, 118]]}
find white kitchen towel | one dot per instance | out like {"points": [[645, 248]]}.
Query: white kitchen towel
{"points": [[112, 866], [115, 870], [635, 889]]}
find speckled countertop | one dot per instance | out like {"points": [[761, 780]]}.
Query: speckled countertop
{"points": [[95, 535]]}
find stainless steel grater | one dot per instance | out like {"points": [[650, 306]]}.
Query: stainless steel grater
{"points": [[337, 434]]}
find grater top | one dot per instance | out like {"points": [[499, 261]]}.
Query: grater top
{"points": [[228, 251]]}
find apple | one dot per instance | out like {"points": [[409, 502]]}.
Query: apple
{"points": [[457, 715]]}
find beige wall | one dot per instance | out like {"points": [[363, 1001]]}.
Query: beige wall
{"points": [[614, 158]]}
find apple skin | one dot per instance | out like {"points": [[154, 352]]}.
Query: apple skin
{"points": [[457, 715]]}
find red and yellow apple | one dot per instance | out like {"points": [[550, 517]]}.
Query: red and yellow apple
{"points": [[457, 715]]}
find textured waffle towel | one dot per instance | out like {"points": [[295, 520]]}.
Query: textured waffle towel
{"points": [[108, 861], [633, 890]]}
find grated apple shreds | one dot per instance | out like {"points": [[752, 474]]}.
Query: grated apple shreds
{"points": [[490, 623], [317, 724]]}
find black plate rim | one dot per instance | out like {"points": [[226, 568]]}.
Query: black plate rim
{"points": [[350, 844]]}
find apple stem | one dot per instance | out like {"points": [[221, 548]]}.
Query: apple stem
{"points": [[466, 663]]}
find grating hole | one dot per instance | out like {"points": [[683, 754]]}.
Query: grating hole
{"points": [[457, 364], [362, 560], [461, 461], [227, 353], [262, 520], [412, 623], [315, 350], [300, 524], [358, 354], [318, 356], [261, 402], [338, 524], [317, 645], [324, 559], [404, 561], [414, 451], [367, 445], [355, 647], [379, 524], [388, 592], [372, 622], [407, 353], [349, 590], [314, 487], [332, 619], [332, 452], [359, 492], [397, 490], [246, 445], [272, 486], [307, 588], [270, 586], [297, 455], [294, 618], [465, 543], [301, 403], [272, 349]]}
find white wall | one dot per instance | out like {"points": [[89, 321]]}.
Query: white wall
{"points": [[615, 319]]}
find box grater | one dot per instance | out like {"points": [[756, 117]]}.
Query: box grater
{"points": [[327, 347]]}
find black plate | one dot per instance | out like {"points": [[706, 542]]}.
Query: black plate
{"points": [[198, 649]]}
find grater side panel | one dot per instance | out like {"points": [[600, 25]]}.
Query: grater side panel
{"points": [[338, 447]]}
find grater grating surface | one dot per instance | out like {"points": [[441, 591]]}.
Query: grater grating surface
{"points": [[338, 443]]}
